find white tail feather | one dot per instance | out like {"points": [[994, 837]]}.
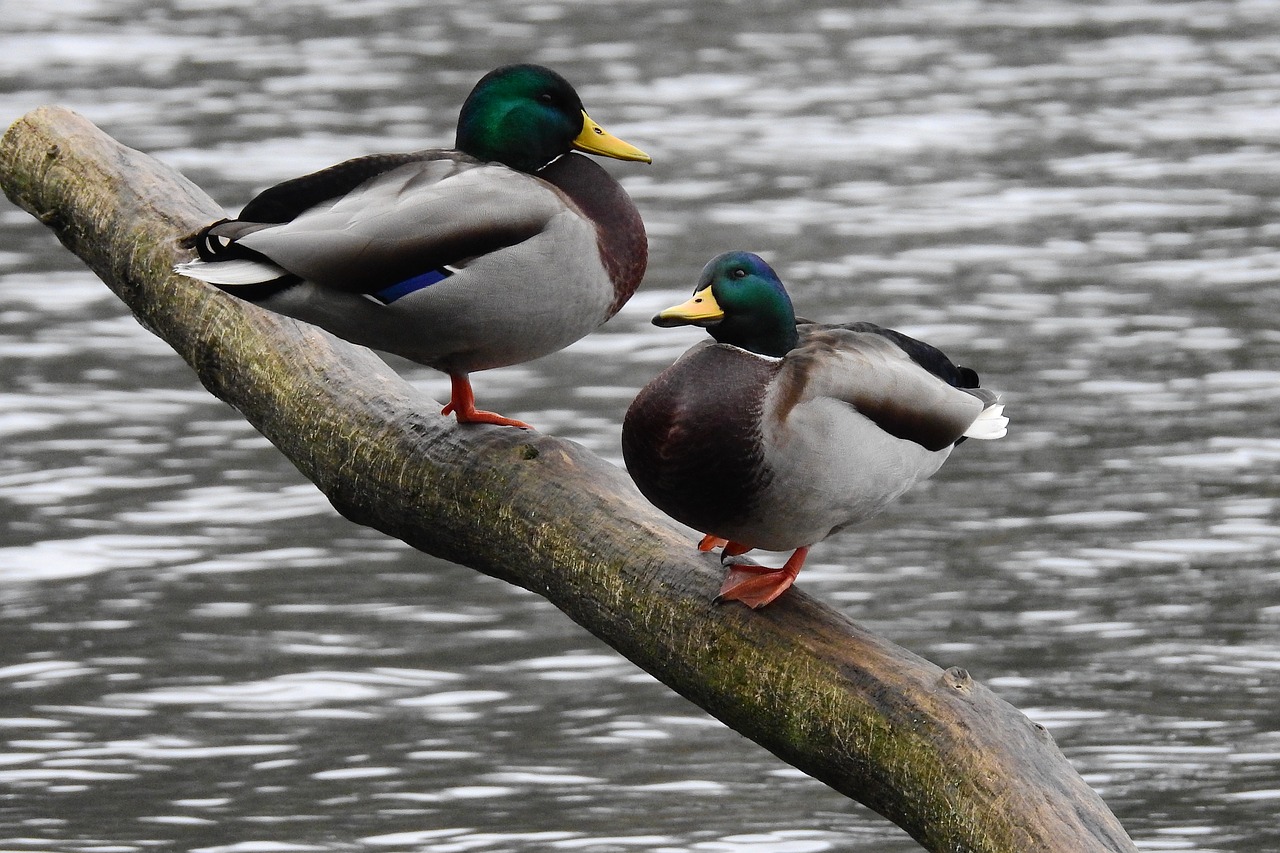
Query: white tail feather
{"points": [[230, 273], [990, 424]]}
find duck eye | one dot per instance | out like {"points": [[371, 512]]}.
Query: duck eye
{"points": [[545, 98], [739, 272]]}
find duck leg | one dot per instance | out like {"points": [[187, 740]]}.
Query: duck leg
{"points": [[731, 549], [710, 542], [462, 405], [756, 586]]}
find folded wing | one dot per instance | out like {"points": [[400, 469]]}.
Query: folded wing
{"points": [[870, 372], [418, 216]]}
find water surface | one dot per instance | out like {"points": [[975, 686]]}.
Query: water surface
{"points": [[1077, 199]]}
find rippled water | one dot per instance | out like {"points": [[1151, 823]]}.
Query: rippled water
{"points": [[1078, 199]]}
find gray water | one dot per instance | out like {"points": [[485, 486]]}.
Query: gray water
{"points": [[1078, 199]]}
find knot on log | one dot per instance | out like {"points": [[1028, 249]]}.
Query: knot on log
{"points": [[958, 679]]}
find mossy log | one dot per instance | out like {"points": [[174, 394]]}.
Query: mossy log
{"points": [[934, 751]]}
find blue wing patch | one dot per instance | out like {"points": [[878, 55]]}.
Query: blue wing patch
{"points": [[411, 285]]}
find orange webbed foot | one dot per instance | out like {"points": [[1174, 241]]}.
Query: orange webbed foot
{"points": [[756, 586], [480, 416], [462, 405]]}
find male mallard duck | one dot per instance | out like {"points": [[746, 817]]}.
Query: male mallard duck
{"points": [[503, 249], [781, 432]]}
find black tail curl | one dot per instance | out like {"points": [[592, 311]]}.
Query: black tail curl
{"points": [[198, 241], [212, 247]]}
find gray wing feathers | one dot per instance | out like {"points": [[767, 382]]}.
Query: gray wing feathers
{"points": [[870, 373], [412, 218]]}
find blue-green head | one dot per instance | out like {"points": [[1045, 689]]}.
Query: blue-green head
{"points": [[741, 301], [525, 116]]}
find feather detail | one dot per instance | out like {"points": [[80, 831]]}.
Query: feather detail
{"points": [[990, 423], [884, 383], [231, 273], [411, 285]]}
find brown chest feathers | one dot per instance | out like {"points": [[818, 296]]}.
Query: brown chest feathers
{"points": [[691, 440]]}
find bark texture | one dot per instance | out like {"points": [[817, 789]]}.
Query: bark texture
{"points": [[934, 751]]}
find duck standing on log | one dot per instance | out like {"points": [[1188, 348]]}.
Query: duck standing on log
{"points": [[780, 432], [505, 248]]}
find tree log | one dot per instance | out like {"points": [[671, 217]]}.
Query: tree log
{"points": [[934, 751]]}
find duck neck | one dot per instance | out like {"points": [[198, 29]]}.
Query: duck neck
{"points": [[772, 335]]}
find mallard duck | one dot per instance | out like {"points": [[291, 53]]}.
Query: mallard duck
{"points": [[502, 249], [780, 432]]}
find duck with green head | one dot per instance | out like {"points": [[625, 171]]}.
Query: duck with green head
{"points": [[505, 248], [778, 432]]}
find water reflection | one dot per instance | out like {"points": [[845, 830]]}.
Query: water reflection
{"points": [[1076, 198]]}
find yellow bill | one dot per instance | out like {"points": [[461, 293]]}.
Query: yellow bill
{"points": [[594, 139], [701, 309]]}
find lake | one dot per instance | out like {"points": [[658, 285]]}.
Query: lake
{"points": [[1080, 200]]}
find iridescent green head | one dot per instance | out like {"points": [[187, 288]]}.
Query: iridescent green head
{"points": [[740, 301], [525, 116]]}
